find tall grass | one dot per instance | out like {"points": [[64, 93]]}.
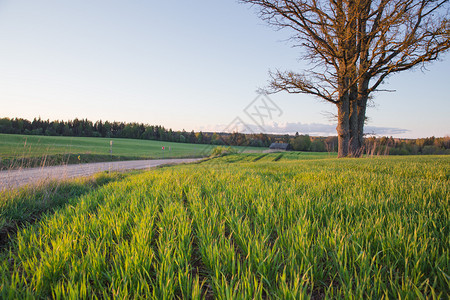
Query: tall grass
{"points": [[241, 227]]}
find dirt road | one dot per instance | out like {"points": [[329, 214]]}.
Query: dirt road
{"points": [[16, 178]]}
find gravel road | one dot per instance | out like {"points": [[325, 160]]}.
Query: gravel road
{"points": [[15, 178]]}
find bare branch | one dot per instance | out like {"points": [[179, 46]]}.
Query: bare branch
{"points": [[354, 46]]}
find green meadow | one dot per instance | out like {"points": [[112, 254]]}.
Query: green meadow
{"points": [[242, 226], [25, 150]]}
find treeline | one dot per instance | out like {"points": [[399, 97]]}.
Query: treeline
{"points": [[376, 145], [395, 146], [86, 128]]}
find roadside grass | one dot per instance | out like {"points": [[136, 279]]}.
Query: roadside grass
{"points": [[25, 205], [21, 151], [236, 228]]}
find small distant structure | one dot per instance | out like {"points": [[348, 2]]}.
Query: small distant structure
{"points": [[280, 146]]}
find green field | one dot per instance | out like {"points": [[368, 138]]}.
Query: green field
{"points": [[24, 150], [247, 226]]}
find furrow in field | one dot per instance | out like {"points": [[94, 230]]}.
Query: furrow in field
{"points": [[288, 229]]}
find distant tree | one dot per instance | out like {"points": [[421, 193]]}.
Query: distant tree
{"points": [[37, 131], [192, 137], [76, 127], [37, 123], [443, 143], [5, 125], [237, 139], [88, 128], [106, 129], [141, 130], [127, 131], [207, 137], [318, 146], [301, 143], [27, 125], [148, 133], [98, 127], [156, 132], [183, 136], [354, 46], [199, 137], [331, 143], [15, 128], [170, 135], [60, 127], [265, 139], [214, 138], [162, 133]]}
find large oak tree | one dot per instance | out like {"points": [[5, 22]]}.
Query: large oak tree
{"points": [[354, 45]]}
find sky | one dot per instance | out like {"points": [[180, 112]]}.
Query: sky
{"points": [[193, 65]]}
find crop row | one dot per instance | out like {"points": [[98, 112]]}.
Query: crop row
{"points": [[263, 228]]}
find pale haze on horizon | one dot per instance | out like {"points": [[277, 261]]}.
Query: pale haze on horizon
{"points": [[193, 65]]}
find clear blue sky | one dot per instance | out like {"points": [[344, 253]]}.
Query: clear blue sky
{"points": [[192, 65]]}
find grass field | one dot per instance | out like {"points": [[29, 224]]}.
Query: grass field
{"points": [[241, 227], [23, 150]]}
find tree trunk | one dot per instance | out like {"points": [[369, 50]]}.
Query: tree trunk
{"points": [[354, 145], [351, 54], [362, 106], [343, 127]]}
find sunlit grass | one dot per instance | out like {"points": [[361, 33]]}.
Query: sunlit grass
{"points": [[241, 227]]}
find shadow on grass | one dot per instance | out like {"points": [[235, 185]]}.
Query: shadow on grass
{"points": [[259, 157], [25, 206], [15, 163], [60, 159]]}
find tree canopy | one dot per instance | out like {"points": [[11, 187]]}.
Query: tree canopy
{"points": [[354, 45]]}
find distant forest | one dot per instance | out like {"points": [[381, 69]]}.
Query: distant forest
{"points": [[86, 128]]}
